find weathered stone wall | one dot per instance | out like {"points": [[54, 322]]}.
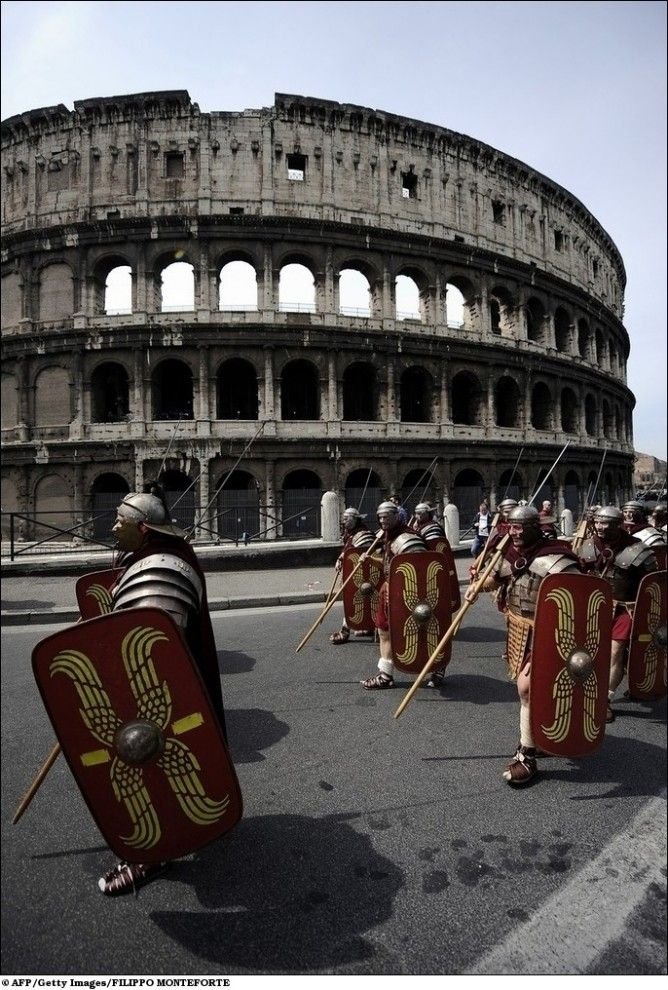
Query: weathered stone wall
{"points": [[141, 181]]}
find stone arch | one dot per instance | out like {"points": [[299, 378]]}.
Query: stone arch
{"points": [[416, 390], [467, 399], [410, 294], [503, 312], [417, 485], [177, 287], [569, 411], [541, 407], [109, 393], [536, 321], [179, 496], [467, 494], [363, 491], [584, 339], [300, 391], [172, 390], [590, 416], [355, 293], [237, 285], [461, 310], [106, 494], [507, 403], [608, 420], [301, 495], [562, 330], [572, 493], [360, 392], [112, 285], [511, 484], [296, 287], [236, 390], [238, 507]]}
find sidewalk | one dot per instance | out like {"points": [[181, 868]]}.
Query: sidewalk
{"points": [[43, 596]]}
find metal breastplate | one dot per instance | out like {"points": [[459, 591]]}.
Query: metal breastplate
{"points": [[407, 543], [523, 591], [161, 580]]}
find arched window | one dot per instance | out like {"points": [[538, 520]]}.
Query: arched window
{"points": [[237, 289], [53, 508], [569, 411], [52, 398], [354, 293], [296, 289], [107, 492], [302, 494], [590, 416], [572, 494], [56, 293], [507, 403], [118, 291], [467, 494], [416, 396], [363, 492], [535, 317], [466, 400], [541, 407], [454, 306], [9, 398], [238, 507], [109, 393], [584, 339], [562, 330], [172, 390], [180, 497], [300, 394], [178, 288], [237, 390], [407, 296], [510, 485], [360, 393]]}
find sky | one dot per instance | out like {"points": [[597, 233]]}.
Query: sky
{"points": [[575, 90]]}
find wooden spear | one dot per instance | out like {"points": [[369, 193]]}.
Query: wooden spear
{"points": [[330, 604]]}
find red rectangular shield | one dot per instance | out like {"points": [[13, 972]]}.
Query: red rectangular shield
{"points": [[139, 734], [647, 650]]}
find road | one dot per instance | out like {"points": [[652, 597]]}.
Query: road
{"points": [[369, 845]]}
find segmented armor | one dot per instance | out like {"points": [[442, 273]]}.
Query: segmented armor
{"points": [[160, 580], [651, 536], [362, 540], [623, 569], [522, 592]]}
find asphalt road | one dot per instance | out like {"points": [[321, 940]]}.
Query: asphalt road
{"points": [[369, 845]]}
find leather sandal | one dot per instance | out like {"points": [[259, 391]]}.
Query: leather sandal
{"points": [[522, 768], [126, 878], [436, 679], [340, 637], [378, 683]]}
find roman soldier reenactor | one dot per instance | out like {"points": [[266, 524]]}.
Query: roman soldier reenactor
{"points": [[357, 538], [528, 558], [623, 561]]}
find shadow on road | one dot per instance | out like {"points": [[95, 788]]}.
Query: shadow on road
{"points": [[285, 893]]}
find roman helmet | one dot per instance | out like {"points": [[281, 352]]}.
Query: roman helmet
{"points": [[150, 511]]}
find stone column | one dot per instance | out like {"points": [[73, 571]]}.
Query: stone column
{"points": [[333, 411], [269, 398]]}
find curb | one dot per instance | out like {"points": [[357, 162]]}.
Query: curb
{"points": [[68, 615]]}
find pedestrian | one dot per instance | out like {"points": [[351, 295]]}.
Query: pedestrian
{"points": [[160, 569], [529, 557], [482, 525]]}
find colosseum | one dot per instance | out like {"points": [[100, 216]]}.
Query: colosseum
{"points": [[370, 305]]}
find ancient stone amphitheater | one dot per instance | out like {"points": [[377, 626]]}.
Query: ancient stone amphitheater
{"points": [[369, 304]]}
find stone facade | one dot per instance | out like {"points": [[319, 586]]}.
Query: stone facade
{"points": [[253, 410]]}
